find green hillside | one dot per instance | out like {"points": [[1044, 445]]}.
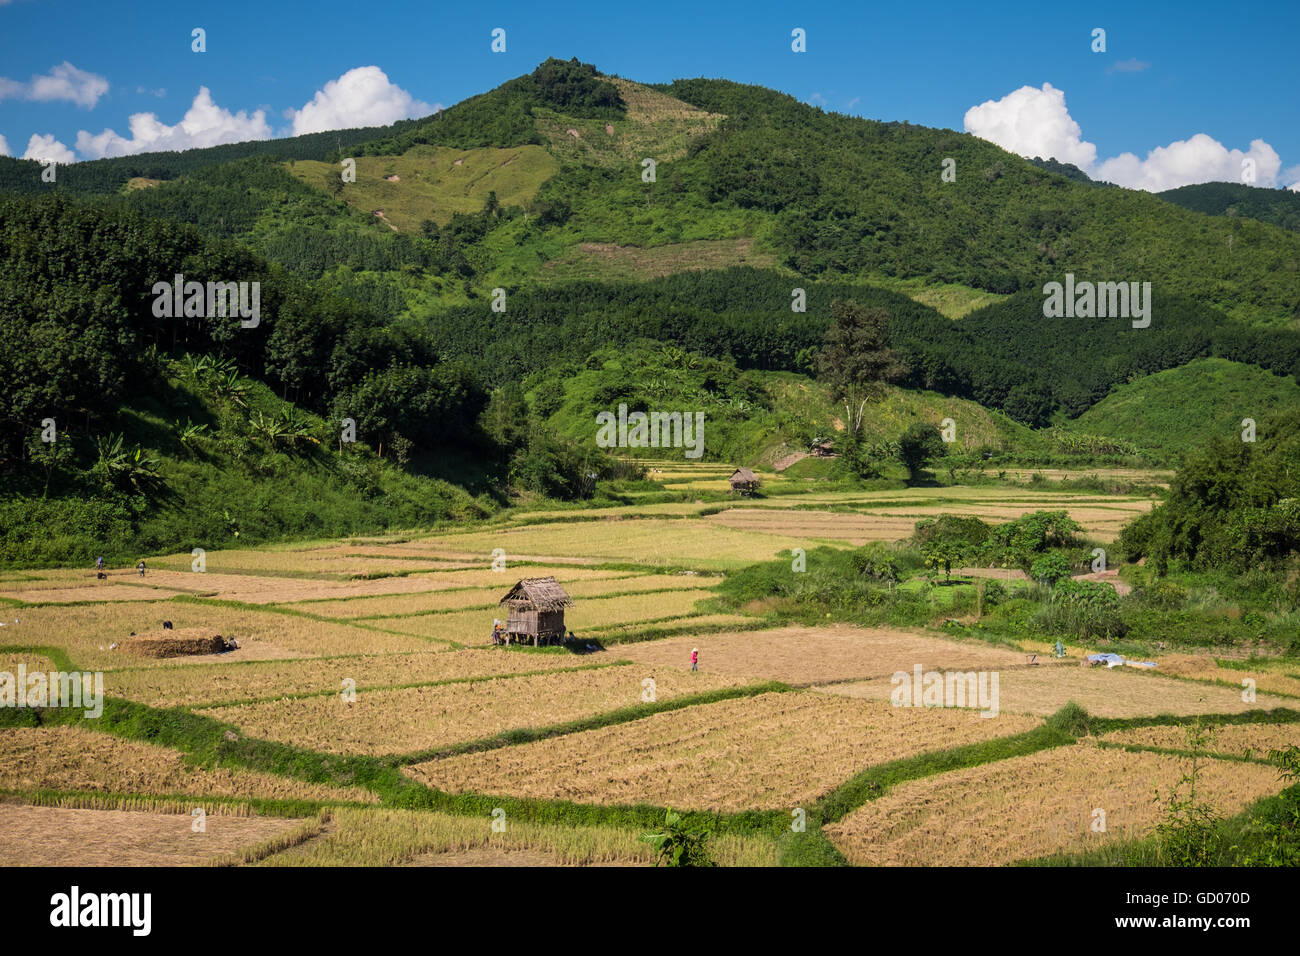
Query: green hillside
{"points": [[209, 460], [828, 196], [507, 268], [1279, 207], [1174, 411], [750, 417]]}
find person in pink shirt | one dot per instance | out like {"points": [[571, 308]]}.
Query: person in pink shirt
{"points": [[695, 659]]}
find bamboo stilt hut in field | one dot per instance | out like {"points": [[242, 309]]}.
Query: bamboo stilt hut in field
{"points": [[536, 610], [743, 481]]}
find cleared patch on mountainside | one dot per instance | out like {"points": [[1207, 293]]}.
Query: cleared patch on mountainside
{"points": [[435, 182], [656, 125]]}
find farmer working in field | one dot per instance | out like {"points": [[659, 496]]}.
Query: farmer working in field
{"points": [[695, 659]]}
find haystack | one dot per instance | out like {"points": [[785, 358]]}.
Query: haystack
{"points": [[180, 642]]}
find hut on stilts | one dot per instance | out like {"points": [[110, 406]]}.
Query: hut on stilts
{"points": [[536, 611], [743, 481]]}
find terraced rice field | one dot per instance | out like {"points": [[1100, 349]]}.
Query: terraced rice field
{"points": [[73, 758], [807, 655], [403, 838], [774, 751], [1253, 741], [422, 718], [52, 836], [1032, 806], [1105, 692], [257, 680], [374, 653]]}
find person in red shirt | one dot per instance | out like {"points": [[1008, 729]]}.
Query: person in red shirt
{"points": [[695, 659]]}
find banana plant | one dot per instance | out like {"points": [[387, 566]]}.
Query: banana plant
{"points": [[119, 468]]}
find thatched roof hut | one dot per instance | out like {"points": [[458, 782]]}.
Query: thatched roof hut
{"points": [[744, 481], [536, 609]]}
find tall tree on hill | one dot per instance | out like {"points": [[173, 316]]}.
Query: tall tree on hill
{"points": [[855, 360]]}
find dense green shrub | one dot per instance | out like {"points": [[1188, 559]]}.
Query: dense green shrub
{"points": [[876, 561]]}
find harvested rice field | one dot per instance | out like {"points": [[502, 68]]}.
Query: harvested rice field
{"points": [[590, 584], [1032, 806], [423, 718], [648, 541], [258, 680], [87, 633], [1103, 521], [774, 751], [587, 618], [53, 836], [370, 659], [1277, 677], [403, 838], [1252, 741], [71, 758], [1102, 691], [811, 655]]}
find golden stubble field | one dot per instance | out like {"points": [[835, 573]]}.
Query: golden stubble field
{"points": [[1102, 691], [87, 633], [53, 836], [810, 655], [1277, 676], [384, 612], [586, 618], [422, 718], [1103, 521], [1033, 806], [74, 758], [383, 837], [1227, 740], [255, 680], [774, 751]]}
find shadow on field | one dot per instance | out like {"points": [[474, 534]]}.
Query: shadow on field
{"points": [[583, 645]]}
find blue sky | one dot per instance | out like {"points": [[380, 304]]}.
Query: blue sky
{"points": [[1170, 71]]}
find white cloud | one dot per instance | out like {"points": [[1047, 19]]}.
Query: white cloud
{"points": [[4, 143], [360, 97], [1294, 187], [1201, 159], [63, 82], [1034, 122], [46, 149], [204, 124]]}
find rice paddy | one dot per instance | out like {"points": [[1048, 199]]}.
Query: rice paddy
{"points": [[1032, 806], [375, 652], [422, 718], [73, 758], [774, 751], [1105, 692]]}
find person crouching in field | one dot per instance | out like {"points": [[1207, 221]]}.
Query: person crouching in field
{"points": [[695, 659]]}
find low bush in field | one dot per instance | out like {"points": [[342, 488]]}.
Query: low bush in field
{"points": [[1083, 610]]}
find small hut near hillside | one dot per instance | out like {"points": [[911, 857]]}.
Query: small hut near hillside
{"points": [[744, 481], [536, 610]]}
